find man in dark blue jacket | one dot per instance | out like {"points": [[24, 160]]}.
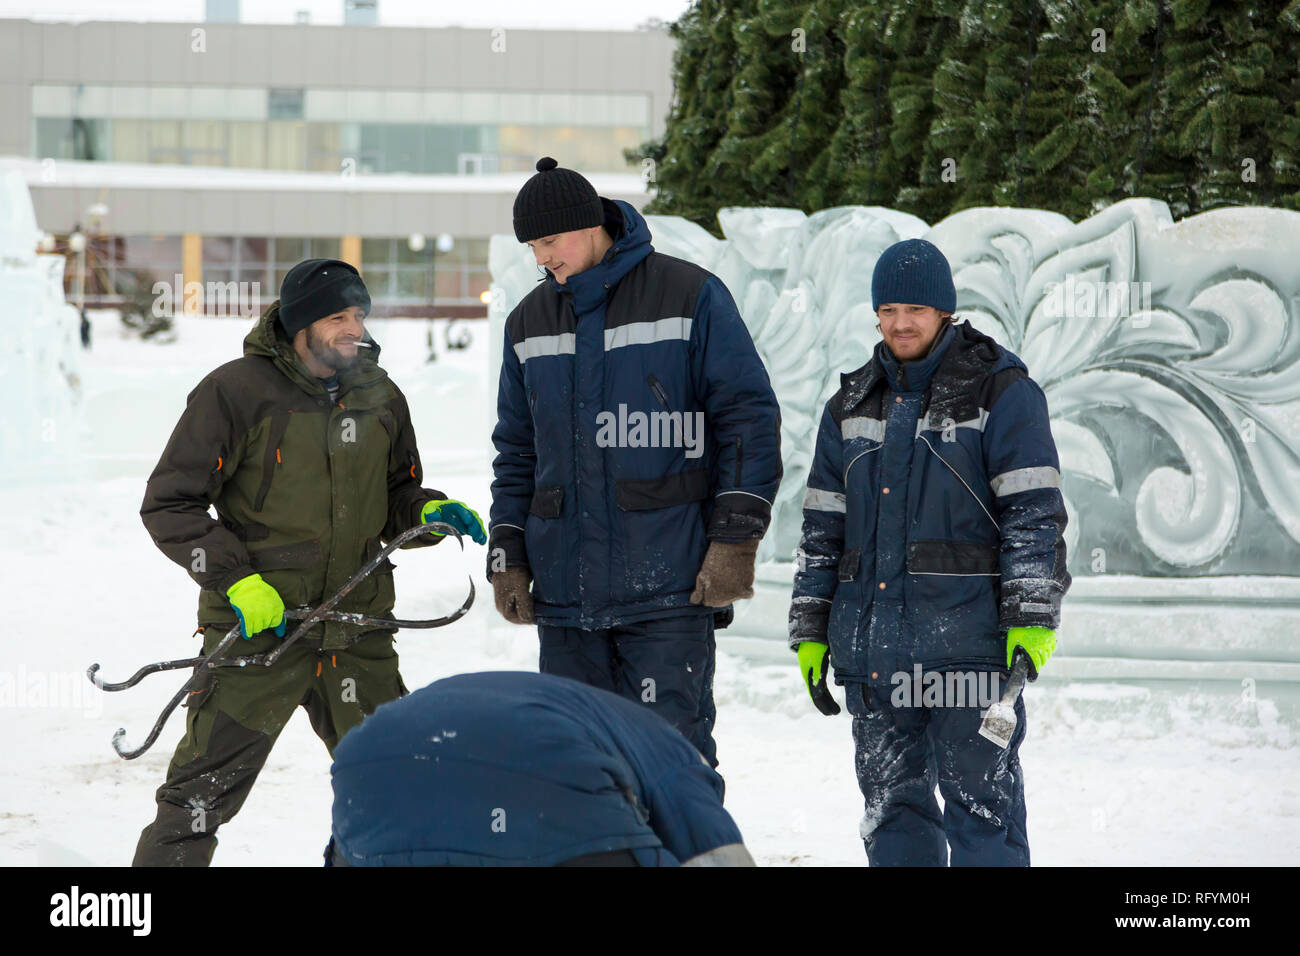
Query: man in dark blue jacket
{"points": [[520, 769], [638, 442], [932, 552]]}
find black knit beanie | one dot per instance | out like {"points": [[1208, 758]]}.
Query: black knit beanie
{"points": [[315, 288], [555, 200]]}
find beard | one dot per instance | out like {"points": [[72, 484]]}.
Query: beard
{"points": [[328, 355]]}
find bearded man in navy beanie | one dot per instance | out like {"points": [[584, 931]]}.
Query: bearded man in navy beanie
{"points": [[932, 557], [639, 453]]}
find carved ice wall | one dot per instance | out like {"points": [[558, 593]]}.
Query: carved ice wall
{"points": [[1176, 410]]}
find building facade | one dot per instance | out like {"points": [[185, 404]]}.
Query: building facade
{"points": [[225, 152]]}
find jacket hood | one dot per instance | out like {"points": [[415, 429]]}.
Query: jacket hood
{"points": [[267, 338], [631, 244], [967, 346]]}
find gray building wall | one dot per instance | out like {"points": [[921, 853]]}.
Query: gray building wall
{"points": [[342, 57]]}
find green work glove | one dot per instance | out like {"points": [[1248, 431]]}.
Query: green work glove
{"points": [[457, 514], [257, 605], [1038, 643], [813, 663]]}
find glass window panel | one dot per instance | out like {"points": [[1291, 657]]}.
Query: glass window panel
{"points": [[205, 142], [517, 107], [441, 106], [376, 252], [245, 104], [324, 154], [91, 100], [475, 250], [482, 107], [54, 138], [552, 108], [325, 105], [378, 283], [404, 152], [284, 103], [448, 283], [290, 250], [51, 100], [218, 251], [153, 252], [406, 257], [478, 282], [445, 144], [130, 102], [165, 141], [130, 141], [170, 102], [365, 105], [252, 250], [403, 106], [209, 102], [286, 145], [411, 284], [350, 138], [324, 249], [247, 149], [629, 109]]}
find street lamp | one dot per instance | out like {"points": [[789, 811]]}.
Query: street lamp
{"points": [[77, 244], [417, 242]]}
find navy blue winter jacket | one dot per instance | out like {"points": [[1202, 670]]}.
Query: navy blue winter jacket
{"points": [[513, 768], [933, 518], [604, 486]]}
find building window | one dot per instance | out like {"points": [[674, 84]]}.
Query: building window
{"points": [[284, 104]]}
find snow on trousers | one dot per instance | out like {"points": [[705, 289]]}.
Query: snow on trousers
{"points": [[233, 721], [665, 663], [902, 753]]}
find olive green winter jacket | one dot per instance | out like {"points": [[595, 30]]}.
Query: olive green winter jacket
{"points": [[305, 490]]}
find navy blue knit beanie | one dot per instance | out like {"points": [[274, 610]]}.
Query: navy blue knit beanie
{"points": [[913, 272]]}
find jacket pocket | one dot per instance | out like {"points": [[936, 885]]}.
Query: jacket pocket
{"points": [[550, 550], [547, 502], [662, 533], [849, 563], [945, 576], [953, 558], [646, 494]]}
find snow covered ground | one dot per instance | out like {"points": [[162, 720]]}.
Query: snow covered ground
{"points": [[84, 583]]}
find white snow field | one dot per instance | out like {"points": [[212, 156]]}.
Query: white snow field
{"points": [[1187, 780]]}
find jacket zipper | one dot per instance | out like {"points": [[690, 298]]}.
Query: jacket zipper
{"points": [[658, 390], [740, 448], [271, 461]]}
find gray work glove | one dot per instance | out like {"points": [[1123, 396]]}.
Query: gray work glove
{"points": [[727, 573], [514, 600]]}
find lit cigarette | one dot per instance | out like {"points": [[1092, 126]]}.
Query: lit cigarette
{"points": [[364, 345]]}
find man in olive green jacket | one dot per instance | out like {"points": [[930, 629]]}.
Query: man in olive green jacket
{"points": [[305, 447]]}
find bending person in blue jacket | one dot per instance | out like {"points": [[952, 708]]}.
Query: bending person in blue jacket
{"points": [[639, 452], [520, 769], [932, 551]]}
